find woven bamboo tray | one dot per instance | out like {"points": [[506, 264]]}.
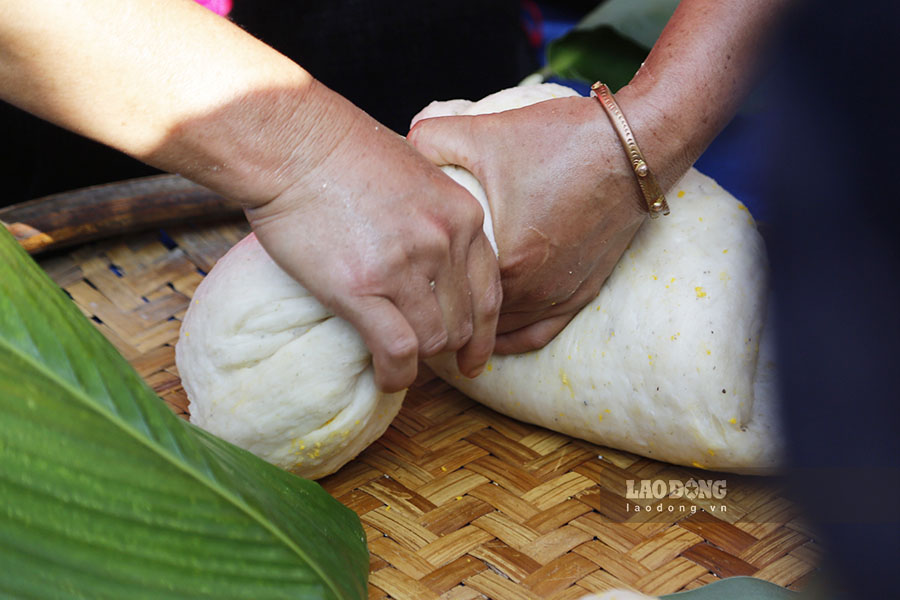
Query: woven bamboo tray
{"points": [[458, 501]]}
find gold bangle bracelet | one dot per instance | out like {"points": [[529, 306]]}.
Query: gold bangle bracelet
{"points": [[653, 194]]}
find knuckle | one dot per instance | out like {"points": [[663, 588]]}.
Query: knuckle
{"points": [[440, 241], [363, 279], [466, 218], [491, 300], [429, 239], [401, 348], [375, 275], [462, 334], [473, 216], [434, 344]]}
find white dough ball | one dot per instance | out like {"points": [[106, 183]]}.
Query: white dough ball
{"points": [[671, 360], [268, 368]]}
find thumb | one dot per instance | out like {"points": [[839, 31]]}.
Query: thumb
{"points": [[444, 140]]}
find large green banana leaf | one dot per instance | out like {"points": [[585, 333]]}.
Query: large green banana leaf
{"points": [[610, 43], [104, 493]]}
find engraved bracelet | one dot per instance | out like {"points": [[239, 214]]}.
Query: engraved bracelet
{"points": [[653, 194]]}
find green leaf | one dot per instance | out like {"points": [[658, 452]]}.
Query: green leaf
{"points": [[640, 21], [611, 42], [745, 588], [596, 55], [105, 493]]}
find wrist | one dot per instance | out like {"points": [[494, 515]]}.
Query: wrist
{"points": [[255, 146], [661, 148], [653, 195], [669, 144]]}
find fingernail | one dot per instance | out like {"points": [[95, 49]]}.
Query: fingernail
{"points": [[473, 373]]}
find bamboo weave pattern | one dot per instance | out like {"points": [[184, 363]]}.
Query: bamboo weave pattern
{"points": [[457, 501]]}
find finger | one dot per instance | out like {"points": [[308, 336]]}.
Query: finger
{"points": [[446, 108], [452, 293], [510, 322], [587, 291], [486, 298], [444, 140], [452, 289], [532, 337], [427, 314], [389, 337]]}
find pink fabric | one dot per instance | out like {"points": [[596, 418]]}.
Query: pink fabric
{"points": [[220, 7]]}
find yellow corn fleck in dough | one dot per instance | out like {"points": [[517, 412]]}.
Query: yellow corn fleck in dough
{"points": [[701, 293], [565, 381]]}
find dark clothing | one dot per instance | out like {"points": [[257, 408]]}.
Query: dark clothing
{"points": [[835, 254]]}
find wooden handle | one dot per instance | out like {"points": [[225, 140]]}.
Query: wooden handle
{"points": [[79, 216]]}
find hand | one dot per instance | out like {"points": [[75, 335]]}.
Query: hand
{"points": [[564, 201], [387, 241]]}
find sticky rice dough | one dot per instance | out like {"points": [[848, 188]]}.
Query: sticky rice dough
{"points": [[671, 361]]}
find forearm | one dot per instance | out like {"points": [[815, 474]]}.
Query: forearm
{"points": [[696, 77], [165, 81]]}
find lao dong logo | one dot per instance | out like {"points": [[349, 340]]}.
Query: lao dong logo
{"points": [[673, 489]]}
